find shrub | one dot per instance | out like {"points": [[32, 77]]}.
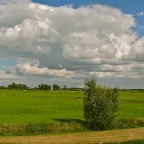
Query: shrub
{"points": [[100, 106]]}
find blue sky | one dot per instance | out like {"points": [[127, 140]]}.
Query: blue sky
{"points": [[42, 42], [127, 6]]}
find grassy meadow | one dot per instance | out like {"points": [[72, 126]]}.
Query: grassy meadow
{"points": [[37, 111], [131, 105], [34, 106]]}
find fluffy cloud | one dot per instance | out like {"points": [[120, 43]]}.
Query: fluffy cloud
{"points": [[67, 42], [34, 69]]}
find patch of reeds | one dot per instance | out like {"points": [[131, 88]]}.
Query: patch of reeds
{"points": [[36, 129], [130, 123], [63, 127]]}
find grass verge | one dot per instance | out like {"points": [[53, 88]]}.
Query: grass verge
{"points": [[39, 129], [129, 142], [113, 136], [70, 126]]}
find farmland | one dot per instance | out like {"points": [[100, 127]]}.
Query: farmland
{"points": [[61, 111], [22, 107]]}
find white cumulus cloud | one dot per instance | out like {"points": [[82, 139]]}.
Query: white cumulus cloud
{"points": [[34, 69], [70, 42]]}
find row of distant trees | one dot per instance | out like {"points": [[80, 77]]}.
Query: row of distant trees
{"points": [[39, 87], [48, 87], [25, 87]]}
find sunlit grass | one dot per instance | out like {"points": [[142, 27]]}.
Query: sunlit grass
{"points": [[22, 107], [131, 105], [34, 111]]}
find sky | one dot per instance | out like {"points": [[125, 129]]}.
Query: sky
{"points": [[69, 41]]}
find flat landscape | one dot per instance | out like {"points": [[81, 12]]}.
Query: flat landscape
{"points": [[36, 112], [72, 71], [34, 106]]}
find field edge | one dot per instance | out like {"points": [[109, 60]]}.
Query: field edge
{"points": [[111, 136]]}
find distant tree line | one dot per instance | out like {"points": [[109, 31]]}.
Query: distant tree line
{"points": [[18, 86], [45, 87], [48, 87], [15, 86]]}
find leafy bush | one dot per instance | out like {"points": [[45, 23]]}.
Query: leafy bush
{"points": [[100, 105]]}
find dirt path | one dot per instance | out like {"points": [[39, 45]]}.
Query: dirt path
{"points": [[80, 138]]}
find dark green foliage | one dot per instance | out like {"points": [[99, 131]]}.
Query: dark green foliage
{"points": [[3, 87], [55, 87], [100, 106], [18, 86], [44, 87], [129, 123]]}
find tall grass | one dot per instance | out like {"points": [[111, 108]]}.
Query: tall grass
{"points": [[36, 129]]}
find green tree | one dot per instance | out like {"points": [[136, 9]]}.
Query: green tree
{"points": [[44, 87], [100, 105], [18, 86], [55, 87]]}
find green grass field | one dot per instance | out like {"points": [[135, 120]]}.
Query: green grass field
{"points": [[131, 105], [19, 107], [23, 107]]}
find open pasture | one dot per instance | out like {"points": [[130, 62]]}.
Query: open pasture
{"points": [[131, 105], [33, 111], [34, 106]]}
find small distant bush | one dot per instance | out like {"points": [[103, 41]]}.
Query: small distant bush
{"points": [[100, 106]]}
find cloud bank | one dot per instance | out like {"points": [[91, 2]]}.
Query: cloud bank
{"points": [[6, 76], [70, 43], [34, 69]]}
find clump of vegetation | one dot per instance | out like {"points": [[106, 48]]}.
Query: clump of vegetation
{"points": [[129, 123], [44, 87], [18, 86], [100, 106], [55, 87], [36, 129]]}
